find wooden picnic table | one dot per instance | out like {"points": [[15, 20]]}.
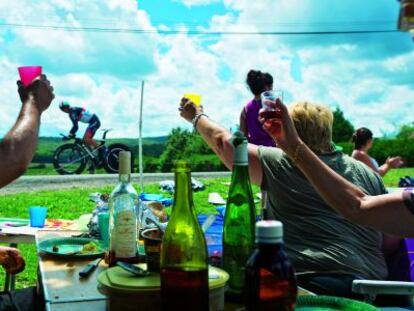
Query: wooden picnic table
{"points": [[59, 279]]}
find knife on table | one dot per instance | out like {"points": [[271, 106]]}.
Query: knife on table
{"points": [[89, 268]]}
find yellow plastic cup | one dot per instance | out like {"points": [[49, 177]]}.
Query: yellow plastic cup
{"points": [[195, 98]]}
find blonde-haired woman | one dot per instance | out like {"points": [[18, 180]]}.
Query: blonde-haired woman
{"points": [[389, 213], [317, 238]]}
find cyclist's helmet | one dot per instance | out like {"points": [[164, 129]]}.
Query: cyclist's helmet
{"points": [[64, 105]]}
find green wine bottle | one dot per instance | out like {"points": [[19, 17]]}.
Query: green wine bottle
{"points": [[239, 220], [184, 260]]}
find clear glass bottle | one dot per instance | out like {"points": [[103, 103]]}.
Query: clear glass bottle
{"points": [[184, 259], [239, 220], [270, 277], [123, 226]]}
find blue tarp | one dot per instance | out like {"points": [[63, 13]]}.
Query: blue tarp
{"points": [[214, 233]]}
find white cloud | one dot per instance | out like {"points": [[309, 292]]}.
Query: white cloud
{"points": [[368, 77], [191, 3]]}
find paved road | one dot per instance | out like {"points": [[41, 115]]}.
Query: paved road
{"points": [[37, 183]]}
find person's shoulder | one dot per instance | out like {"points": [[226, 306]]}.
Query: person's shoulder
{"points": [[359, 154], [271, 154], [362, 170], [354, 161]]}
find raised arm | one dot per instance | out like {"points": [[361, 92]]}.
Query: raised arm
{"points": [[218, 138], [243, 122], [386, 213], [18, 146]]}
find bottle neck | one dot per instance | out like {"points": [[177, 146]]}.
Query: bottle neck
{"points": [[270, 247], [240, 171], [240, 155], [183, 196], [124, 178]]}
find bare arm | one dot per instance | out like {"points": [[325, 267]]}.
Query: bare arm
{"points": [[18, 146], [218, 138], [243, 123], [386, 213], [364, 158], [390, 163]]}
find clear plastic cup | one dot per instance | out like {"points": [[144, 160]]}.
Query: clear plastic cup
{"points": [[103, 223], [268, 99], [195, 98], [37, 216], [29, 73]]}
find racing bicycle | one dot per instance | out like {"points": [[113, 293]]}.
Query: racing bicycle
{"points": [[72, 158]]}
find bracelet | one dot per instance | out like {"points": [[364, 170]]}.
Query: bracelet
{"points": [[197, 118], [296, 153]]}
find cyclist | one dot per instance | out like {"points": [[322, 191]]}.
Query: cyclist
{"points": [[77, 114]]}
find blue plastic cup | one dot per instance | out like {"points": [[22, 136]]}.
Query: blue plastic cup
{"points": [[103, 223], [37, 216]]}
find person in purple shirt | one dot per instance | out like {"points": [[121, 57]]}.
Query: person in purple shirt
{"points": [[250, 125], [258, 82]]}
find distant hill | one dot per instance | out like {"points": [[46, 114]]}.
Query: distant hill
{"points": [[152, 146]]}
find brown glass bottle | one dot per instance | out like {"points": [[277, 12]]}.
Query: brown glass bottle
{"points": [[270, 277], [184, 261]]}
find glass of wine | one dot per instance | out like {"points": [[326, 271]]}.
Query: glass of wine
{"points": [[268, 99]]}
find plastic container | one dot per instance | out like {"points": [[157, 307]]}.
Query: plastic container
{"points": [[152, 245], [37, 216], [195, 98], [29, 73], [126, 292]]}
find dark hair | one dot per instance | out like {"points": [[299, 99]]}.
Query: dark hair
{"points": [[257, 80], [361, 137]]}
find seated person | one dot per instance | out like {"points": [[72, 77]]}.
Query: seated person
{"points": [[389, 213], [16, 152], [317, 238], [363, 139]]}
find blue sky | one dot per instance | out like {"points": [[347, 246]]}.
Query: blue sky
{"points": [[367, 75]]}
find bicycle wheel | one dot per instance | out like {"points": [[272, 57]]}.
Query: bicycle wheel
{"points": [[112, 158], [69, 159]]}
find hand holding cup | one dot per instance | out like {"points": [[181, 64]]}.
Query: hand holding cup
{"points": [[281, 127], [40, 91], [188, 110]]}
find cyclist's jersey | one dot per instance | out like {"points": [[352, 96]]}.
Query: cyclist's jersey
{"points": [[77, 114], [80, 114]]}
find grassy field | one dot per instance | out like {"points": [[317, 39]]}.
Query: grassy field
{"points": [[73, 203]]}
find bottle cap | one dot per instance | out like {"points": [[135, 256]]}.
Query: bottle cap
{"points": [[269, 231], [125, 162]]}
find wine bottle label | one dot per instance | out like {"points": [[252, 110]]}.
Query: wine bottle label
{"points": [[125, 245]]}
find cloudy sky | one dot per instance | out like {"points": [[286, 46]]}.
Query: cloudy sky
{"points": [[367, 75]]}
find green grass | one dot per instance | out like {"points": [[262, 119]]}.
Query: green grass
{"points": [[70, 204], [392, 178]]}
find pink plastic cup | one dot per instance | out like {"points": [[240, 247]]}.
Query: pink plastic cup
{"points": [[29, 73]]}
